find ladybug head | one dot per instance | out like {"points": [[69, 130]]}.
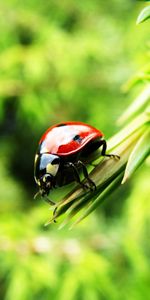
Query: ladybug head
{"points": [[45, 169]]}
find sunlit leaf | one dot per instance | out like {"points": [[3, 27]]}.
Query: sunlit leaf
{"points": [[138, 155], [142, 99], [144, 15], [114, 184], [103, 175], [128, 130], [141, 76]]}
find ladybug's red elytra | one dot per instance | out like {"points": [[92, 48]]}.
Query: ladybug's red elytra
{"points": [[63, 152]]}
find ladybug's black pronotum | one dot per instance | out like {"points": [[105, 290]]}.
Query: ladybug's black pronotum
{"points": [[63, 152]]}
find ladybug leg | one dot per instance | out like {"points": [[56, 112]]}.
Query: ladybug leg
{"points": [[49, 201], [104, 147], [76, 174], [44, 197], [92, 185]]}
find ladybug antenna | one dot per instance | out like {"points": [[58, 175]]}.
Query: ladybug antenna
{"points": [[51, 202], [36, 195]]}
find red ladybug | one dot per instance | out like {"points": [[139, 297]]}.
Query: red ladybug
{"points": [[63, 151]]}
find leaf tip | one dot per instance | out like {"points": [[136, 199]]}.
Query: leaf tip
{"points": [[144, 15], [125, 178], [49, 222]]}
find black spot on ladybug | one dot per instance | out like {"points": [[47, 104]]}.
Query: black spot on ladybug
{"points": [[77, 138], [62, 124]]}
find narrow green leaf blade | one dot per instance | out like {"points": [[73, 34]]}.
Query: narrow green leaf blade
{"points": [[113, 185], [138, 155], [144, 15], [135, 125], [141, 101]]}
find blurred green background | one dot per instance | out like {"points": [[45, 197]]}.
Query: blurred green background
{"points": [[59, 61]]}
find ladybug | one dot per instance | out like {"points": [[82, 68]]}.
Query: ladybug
{"points": [[62, 154]]}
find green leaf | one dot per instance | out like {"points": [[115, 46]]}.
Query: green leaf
{"points": [[138, 155], [135, 125], [103, 175], [139, 78], [141, 101], [144, 15], [113, 185]]}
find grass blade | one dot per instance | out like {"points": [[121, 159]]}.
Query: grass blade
{"points": [[138, 155], [144, 15], [113, 185], [139, 103]]}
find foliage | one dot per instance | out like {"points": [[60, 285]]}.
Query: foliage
{"points": [[132, 144], [65, 60], [144, 15]]}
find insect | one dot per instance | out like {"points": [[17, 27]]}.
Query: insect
{"points": [[62, 154]]}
